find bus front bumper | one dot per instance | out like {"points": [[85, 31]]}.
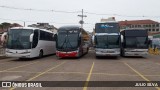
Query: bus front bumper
{"points": [[107, 54], [136, 53], [66, 54], [16, 55]]}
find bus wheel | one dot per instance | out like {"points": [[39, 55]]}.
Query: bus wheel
{"points": [[97, 57], [41, 54], [87, 50]]}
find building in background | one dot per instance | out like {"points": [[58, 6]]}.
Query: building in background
{"points": [[150, 25], [44, 26], [5, 26]]}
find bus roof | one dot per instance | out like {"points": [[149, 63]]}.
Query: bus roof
{"points": [[76, 27], [134, 32], [31, 28], [133, 29], [23, 28], [70, 27]]}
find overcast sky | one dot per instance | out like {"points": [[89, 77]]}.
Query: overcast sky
{"points": [[120, 9]]}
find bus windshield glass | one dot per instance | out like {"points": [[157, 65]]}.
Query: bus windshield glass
{"points": [[67, 39], [19, 39], [107, 28], [107, 41], [136, 42]]}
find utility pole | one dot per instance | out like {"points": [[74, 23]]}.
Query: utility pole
{"points": [[81, 21], [24, 23]]}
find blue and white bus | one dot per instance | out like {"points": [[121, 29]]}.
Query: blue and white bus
{"points": [[107, 39], [27, 42]]}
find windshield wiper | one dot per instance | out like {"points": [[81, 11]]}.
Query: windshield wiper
{"points": [[69, 43], [63, 43], [66, 41], [19, 43]]}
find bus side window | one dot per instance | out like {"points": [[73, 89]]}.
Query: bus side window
{"points": [[35, 39]]}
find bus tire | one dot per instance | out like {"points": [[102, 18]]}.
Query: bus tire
{"points": [[97, 57], [123, 55], [87, 50], [22, 58], [41, 54]]}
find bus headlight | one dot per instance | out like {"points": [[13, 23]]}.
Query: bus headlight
{"points": [[7, 50]]}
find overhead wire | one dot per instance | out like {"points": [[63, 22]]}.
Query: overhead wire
{"points": [[45, 10], [40, 10]]}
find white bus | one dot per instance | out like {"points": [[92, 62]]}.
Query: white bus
{"points": [[27, 42]]}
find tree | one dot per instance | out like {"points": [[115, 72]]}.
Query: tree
{"points": [[5, 26]]}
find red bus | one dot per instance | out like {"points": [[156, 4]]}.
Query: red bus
{"points": [[72, 41]]}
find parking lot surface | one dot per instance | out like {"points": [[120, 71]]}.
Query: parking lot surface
{"points": [[86, 68]]}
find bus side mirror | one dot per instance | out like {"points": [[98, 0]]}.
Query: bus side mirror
{"points": [[149, 41], [93, 40], [55, 37], [31, 37], [79, 41], [122, 38]]}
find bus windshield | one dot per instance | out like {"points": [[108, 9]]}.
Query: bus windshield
{"points": [[19, 39], [136, 42], [67, 40], [107, 41]]}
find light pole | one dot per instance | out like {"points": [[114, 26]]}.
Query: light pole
{"points": [[81, 21]]}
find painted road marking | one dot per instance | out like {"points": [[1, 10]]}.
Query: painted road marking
{"points": [[158, 63], [46, 71], [88, 78], [107, 74], [6, 60], [42, 73], [141, 75], [67, 73], [19, 66]]}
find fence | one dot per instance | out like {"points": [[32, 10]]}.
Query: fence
{"points": [[154, 51]]}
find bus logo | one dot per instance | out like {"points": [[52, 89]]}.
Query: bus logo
{"points": [[6, 84], [106, 26]]}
